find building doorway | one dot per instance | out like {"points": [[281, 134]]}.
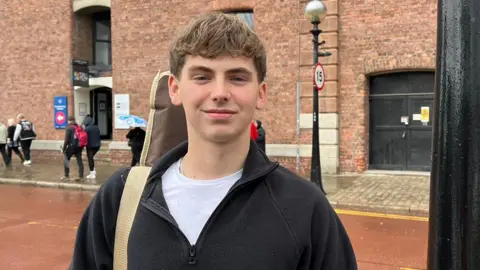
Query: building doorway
{"points": [[401, 109], [101, 110]]}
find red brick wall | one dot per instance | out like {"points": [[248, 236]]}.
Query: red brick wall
{"points": [[377, 38], [140, 49], [35, 57]]}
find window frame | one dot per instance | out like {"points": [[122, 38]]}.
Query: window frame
{"points": [[98, 17], [243, 11]]}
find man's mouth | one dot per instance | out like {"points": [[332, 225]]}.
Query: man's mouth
{"points": [[219, 114]]}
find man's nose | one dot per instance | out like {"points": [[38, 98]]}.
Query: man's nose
{"points": [[220, 91]]}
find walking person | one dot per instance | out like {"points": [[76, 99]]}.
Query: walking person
{"points": [[136, 138], [25, 131], [94, 142], [253, 131], [73, 145], [261, 135], [12, 145], [216, 201], [3, 143]]}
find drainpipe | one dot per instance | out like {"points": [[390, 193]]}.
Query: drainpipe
{"points": [[297, 162]]}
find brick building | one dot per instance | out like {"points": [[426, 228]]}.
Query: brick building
{"points": [[381, 68]]}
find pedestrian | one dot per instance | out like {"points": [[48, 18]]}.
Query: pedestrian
{"points": [[253, 131], [136, 138], [12, 145], [25, 131], [73, 145], [261, 135], [3, 143], [93, 145], [216, 201]]}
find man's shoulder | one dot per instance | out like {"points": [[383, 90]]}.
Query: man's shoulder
{"points": [[284, 181], [295, 195], [111, 191]]}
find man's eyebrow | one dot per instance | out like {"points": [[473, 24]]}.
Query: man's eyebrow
{"points": [[199, 68], [206, 69], [239, 70]]}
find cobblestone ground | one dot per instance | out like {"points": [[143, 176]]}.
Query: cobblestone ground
{"points": [[382, 193]]}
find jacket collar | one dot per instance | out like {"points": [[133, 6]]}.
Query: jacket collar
{"points": [[256, 163], [256, 166]]}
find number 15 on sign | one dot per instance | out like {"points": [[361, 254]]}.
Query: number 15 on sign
{"points": [[319, 76]]}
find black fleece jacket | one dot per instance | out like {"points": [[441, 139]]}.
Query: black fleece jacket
{"points": [[271, 219]]}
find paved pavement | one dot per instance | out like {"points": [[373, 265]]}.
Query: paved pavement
{"points": [[396, 194], [38, 227]]}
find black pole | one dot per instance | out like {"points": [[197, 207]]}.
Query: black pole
{"points": [[454, 233], [315, 168]]}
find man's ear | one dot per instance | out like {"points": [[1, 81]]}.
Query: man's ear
{"points": [[174, 90], [262, 96]]}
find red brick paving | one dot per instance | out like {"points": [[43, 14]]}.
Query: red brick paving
{"points": [[37, 228]]}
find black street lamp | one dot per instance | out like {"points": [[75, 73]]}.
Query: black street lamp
{"points": [[454, 224], [315, 12]]}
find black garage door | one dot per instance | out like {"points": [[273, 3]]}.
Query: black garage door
{"points": [[401, 111]]}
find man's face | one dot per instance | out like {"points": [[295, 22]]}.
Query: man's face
{"points": [[219, 96]]}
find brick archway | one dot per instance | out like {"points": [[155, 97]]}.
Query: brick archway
{"points": [[380, 65], [82, 4]]}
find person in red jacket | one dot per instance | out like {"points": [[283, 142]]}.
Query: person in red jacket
{"points": [[253, 131]]}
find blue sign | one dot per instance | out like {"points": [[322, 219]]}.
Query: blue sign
{"points": [[60, 111]]}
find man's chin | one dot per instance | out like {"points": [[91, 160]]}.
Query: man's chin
{"points": [[223, 137]]}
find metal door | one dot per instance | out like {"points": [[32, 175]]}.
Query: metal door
{"points": [[400, 137]]}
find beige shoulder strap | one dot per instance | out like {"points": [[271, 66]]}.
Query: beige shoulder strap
{"points": [[136, 180]]}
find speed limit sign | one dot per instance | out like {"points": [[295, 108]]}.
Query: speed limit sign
{"points": [[319, 76]]}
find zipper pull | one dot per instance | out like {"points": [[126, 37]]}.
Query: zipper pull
{"points": [[192, 253]]}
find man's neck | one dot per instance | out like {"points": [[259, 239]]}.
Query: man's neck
{"points": [[213, 161]]}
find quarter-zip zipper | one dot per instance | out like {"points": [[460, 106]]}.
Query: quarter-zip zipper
{"points": [[193, 249]]}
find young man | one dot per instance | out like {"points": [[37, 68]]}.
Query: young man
{"points": [[70, 149], [93, 145], [12, 145], [217, 201], [25, 131]]}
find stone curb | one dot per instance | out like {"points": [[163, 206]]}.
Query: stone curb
{"points": [[383, 209], [90, 187]]}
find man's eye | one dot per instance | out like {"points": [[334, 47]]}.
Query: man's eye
{"points": [[239, 79], [200, 78]]}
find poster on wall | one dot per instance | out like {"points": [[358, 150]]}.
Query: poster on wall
{"points": [[80, 75], [60, 112], [122, 109]]}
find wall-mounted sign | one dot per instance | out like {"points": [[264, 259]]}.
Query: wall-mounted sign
{"points": [[319, 76], [60, 112], [80, 74], [122, 110], [425, 112]]}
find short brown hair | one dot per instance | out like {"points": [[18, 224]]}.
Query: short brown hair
{"points": [[215, 34]]}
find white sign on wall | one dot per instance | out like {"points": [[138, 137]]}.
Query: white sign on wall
{"points": [[122, 108]]}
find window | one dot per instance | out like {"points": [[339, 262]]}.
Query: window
{"points": [[102, 40], [247, 16]]}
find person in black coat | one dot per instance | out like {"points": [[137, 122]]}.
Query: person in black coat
{"points": [[261, 135], [70, 149], [93, 145], [136, 137]]}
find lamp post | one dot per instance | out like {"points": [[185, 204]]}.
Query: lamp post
{"points": [[454, 224], [315, 12]]}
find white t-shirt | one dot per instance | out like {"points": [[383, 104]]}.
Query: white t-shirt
{"points": [[191, 202]]}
